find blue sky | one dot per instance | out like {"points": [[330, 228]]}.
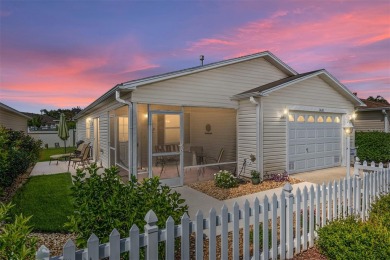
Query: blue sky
{"points": [[61, 54]]}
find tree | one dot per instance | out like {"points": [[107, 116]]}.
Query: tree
{"points": [[35, 121], [378, 99]]}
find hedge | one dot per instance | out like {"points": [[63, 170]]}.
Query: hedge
{"points": [[373, 146], [17, 152]]}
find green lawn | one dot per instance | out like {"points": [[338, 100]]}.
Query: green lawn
{"points": [[48, 199], [45, 154]]}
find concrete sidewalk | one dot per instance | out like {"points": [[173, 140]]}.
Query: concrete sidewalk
{"points": [[197, 200]]}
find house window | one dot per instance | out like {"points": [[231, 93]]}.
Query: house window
{"points": [[291, 118], [337, 119], [320, 119], [329, 119], [310, 119], [301, 119], [123, 129], [88, 128]]}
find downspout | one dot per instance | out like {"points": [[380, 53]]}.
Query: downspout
{"points": [[133, 129], [259, 144], [386, 119]]}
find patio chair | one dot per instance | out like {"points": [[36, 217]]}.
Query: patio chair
{"points": [[76, 152], [217, 159], [83, 158]]}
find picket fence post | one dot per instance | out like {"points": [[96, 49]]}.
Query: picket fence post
{"points": [[43, 253], [151, 235], [289, 220]]}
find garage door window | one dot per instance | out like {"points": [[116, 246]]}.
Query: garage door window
{"points": [[310, 119], [301, 119], [291, 118], [337, 119], [320, 119], [329, 119]]}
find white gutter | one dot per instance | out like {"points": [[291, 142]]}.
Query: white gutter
{"points": [[386, 119], [132, 134]]}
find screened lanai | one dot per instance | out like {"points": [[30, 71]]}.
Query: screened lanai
{"points": [[188, 143]]}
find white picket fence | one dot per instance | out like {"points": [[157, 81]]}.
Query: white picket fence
{"points": [[291, 217]]}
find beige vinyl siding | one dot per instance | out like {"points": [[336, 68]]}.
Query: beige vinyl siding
{"points": [[247, 135], [12, 120], [369, 121], [211, 88], [312, 92]]}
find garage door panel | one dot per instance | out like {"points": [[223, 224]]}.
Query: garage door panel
{"points": [[301, 149], [301, 133], [320, 147], [311, 133], [320, 133], [329, 147], [315, 144], [292, 134], [311, 163]]}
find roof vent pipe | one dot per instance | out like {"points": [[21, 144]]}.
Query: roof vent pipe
{"points": [[201, 57]]}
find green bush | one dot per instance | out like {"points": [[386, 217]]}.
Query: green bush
{"points": [[352, 239], [17, 152], [102, 202], [373, 146], [380, 212], [15, 242], [225, 179]]}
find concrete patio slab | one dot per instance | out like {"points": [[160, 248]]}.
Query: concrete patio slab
{"points": [[323, 175]]}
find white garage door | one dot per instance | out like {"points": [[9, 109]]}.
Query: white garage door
{"points": [[314, 141]]}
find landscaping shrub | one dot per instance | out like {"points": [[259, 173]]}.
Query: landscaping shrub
{"points": [[380, 212], [17, 152], [373, 146], [103, 202], [15, 242], [225, 179], [352, 239]]}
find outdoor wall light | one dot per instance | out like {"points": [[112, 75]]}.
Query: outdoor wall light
{"points": [[285, 113], [146, 115], [348, 127]]}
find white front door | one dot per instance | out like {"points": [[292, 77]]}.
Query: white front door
{"points": [[314, 141]]}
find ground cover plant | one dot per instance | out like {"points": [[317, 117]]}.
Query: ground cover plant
{"points": [[15, 242], [48, 199], [353, 239], [225, 179], [373, 146], [103, 202], [44, 154], [17, 152]]}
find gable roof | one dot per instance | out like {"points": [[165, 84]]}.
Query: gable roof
{"points": [[46, 119], [373, 105], [10, 109], [266, 89], [133, 84]]}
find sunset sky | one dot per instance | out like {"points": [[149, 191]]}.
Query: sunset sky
{"points": [[62, 54]]}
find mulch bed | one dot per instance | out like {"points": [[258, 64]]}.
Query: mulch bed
{"points": [[210, 189], [311, 253], [53, 241]]}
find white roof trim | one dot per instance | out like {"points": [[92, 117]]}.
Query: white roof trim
{"points": [[137, 83], [321, 72]]}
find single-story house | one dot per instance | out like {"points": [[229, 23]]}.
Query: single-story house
{"points": [[12, 118], [254, 106], [373, 117]]}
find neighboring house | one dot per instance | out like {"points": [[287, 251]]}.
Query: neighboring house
{"points": [[48, 123], [251, 105], [373, 117], [11, 118]]}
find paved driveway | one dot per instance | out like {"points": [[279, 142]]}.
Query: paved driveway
{"points": [[324, 175]]}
